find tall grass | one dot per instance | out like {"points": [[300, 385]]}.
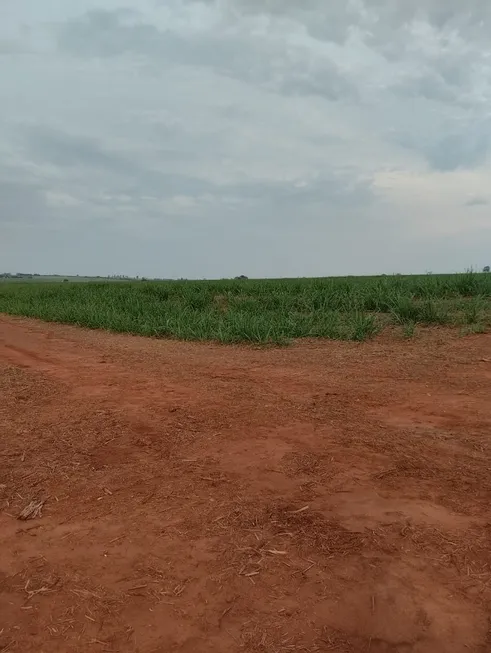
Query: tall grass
{"points": [[270, 310]]}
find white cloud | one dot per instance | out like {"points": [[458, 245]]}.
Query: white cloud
{"points": [[193, 138]]}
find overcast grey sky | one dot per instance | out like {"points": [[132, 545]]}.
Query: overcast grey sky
{"points": [[258, 137]]}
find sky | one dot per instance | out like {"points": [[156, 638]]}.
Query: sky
{"points": [[214, 138]]}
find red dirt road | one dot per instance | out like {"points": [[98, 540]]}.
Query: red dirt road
{"points": [[208, 499]]}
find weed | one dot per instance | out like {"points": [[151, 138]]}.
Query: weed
{"points": [[473, 310], [409, 329], [479, 327], [404, 311], [362, 326]]}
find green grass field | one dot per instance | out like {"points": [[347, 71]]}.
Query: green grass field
{"points": [[260, 311]]}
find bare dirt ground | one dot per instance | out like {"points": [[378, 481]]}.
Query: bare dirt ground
{"points": [[199, 498]]}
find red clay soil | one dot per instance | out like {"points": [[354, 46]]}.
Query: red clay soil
{"points": [[208, 499]]}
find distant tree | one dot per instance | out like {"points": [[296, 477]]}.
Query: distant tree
{"points": [[486, 268], [242, 276]]}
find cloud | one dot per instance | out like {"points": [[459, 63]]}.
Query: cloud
{"points": [[276, 136], [20, 203], [66, 150], [9, 47], [466, 150], [369, 52], [261, 60], [477, 201], [114, 174], [461, 147]]}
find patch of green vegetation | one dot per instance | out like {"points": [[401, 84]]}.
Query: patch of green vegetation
{"points": [[259, 311], [409, 329]]}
